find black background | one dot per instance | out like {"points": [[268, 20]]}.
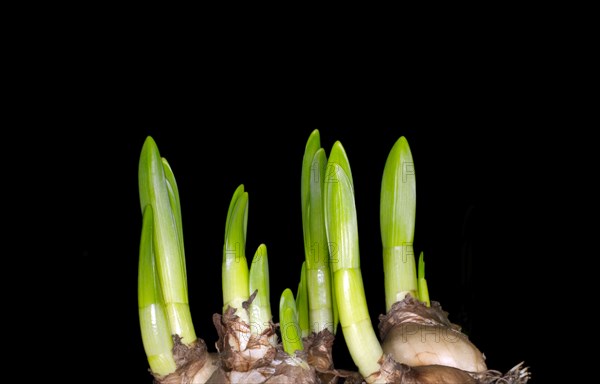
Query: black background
{"points": [[490, 111], [478, 199]]}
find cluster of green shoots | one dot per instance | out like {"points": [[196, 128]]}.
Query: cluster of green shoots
{"points": [[331, 288]]}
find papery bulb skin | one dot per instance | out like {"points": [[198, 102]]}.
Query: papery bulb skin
{"points": [[417, 335]]}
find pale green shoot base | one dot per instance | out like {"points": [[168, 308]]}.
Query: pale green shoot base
{"points": [[158, 343], [181, 321], [156, 332], [358, 331], [400, 274], [319, 300]]}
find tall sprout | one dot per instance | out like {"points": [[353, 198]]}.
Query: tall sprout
{"points": [[397, 218], [321, 307], [158, 189], [235, 282], [342, 233]]}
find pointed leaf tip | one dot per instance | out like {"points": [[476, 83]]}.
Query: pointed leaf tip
{"points": [[338, 161], [398, 196]]}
